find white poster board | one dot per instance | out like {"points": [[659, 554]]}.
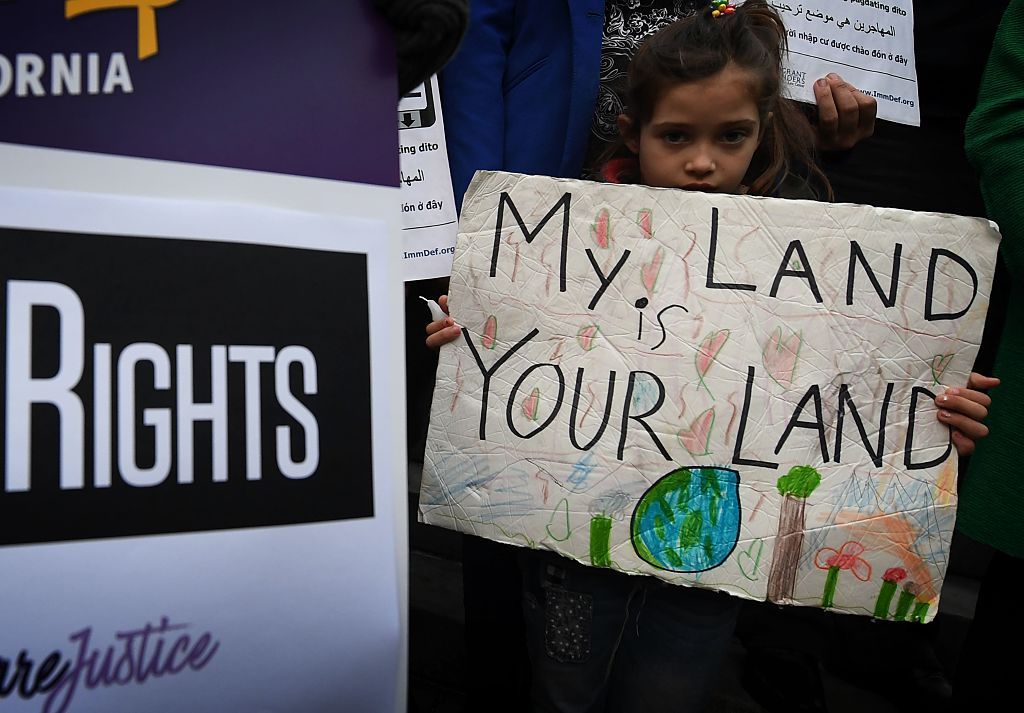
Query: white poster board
{"points": [[722, 391], [202, 599]]}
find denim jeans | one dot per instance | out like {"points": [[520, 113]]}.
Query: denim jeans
{"points": [[603, 641]]}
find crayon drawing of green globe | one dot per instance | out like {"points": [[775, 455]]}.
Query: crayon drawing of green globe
{"points": [[689, 520]]}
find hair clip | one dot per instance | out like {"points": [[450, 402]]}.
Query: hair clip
{"points": [[722, 7]]}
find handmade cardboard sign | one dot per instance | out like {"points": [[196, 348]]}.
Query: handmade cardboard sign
{"points": [[722, 391]]}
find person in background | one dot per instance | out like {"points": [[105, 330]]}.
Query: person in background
{"points": [[992, 496], [923, 168], [426, 32]]}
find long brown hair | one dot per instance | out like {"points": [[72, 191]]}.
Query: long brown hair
{"points": [[754, 39]]}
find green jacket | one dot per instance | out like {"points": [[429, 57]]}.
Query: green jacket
{"points": [[991, 505]]}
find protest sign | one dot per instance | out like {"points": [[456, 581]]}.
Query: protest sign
{"points": [[202, 503], [722, 391], [869, 42], [429, 222]]}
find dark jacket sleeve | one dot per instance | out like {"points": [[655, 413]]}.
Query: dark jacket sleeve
{"points": [[995, 136], [991, 497], [472, 92]]}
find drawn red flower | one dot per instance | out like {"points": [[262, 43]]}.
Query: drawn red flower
{"points": [[846, 558], [894, 574]]}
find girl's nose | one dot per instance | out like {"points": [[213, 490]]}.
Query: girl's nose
{"points": [[700, 164]]}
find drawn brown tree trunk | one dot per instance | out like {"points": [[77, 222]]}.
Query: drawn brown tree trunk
{"points": [[794, 487]]}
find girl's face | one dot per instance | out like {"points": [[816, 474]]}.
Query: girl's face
{"points": [[702, 135]]}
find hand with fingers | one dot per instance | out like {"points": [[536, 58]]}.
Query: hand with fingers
{"points": [[845, 114], [442, 331], [963, 410]]}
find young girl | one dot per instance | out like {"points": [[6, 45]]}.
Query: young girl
{"points": [[705, 113]]}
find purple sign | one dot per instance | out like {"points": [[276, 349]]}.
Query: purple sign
{"points": [[305, 88]]}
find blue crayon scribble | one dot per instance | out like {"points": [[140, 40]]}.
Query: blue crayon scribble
{"points": [[645, 393], [581, 471]]}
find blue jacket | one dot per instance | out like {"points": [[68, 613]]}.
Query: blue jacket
{"points": [[520, 93]]}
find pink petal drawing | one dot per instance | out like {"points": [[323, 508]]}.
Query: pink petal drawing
{"points": [[780, 356], [650, 271], [644, 218], [587, 336], [939, 364], [861, 569], [602, 229], [490, 332], [530, 404], [847, 558], [709, 349], [847, 554], [824, 557], [696, 438]]}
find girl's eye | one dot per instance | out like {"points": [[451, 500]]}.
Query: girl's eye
{"points": [[675, 137], [734, 137]]}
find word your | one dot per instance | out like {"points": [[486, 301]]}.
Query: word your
{"points": [[23, 391], [70, 74]]}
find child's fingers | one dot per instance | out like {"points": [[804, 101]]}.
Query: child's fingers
{"points": [[978, 397], [967, 426], [439, 324], [973, 404], [442, 331], [964, 445], [444, 336], [980, 381]]}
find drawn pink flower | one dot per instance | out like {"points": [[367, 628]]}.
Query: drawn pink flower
{"points": [[894, 574], [848, 557], [892, 577]]}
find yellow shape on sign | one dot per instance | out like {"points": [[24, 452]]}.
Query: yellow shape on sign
{"points": [[147, 17]]}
